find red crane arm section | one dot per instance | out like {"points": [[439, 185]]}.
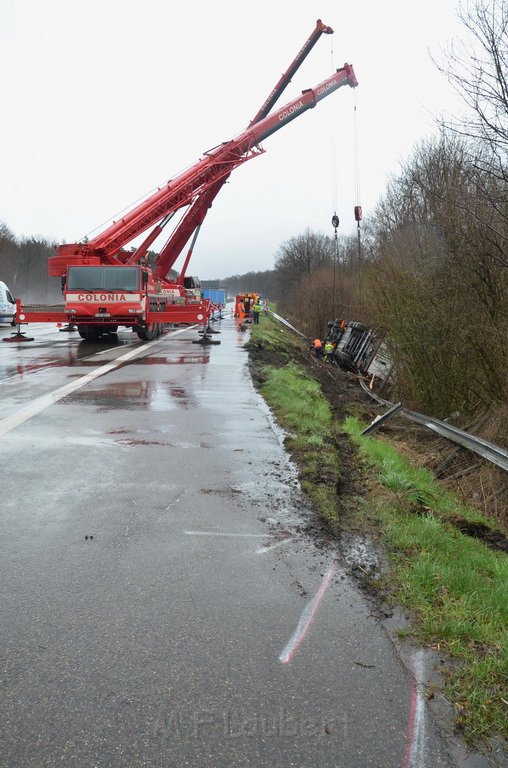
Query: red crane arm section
{"points": [[193, 218], [177, 194], [142, 249], [285, 79], [308, 100], [181, 191], [215, 165], [202, 204]]}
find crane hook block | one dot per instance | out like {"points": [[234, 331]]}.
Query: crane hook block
{"points": [[335, 221], [358, 212]]}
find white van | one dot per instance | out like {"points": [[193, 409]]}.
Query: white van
{"points": [[7, 305]]}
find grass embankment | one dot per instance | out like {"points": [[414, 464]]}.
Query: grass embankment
{"points": [[298, 404], [455, 586]]}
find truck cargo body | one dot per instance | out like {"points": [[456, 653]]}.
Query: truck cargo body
{"points": [[216, 295]]}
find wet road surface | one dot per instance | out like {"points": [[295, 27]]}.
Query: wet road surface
{"points": [[161, 605]]}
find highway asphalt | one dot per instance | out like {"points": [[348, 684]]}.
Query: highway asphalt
{"points": [[162, 604]]}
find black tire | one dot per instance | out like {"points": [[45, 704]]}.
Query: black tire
{"points": [[148, 332], [89, 333]]}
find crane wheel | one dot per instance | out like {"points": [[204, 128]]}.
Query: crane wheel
{"points": [[88, 333], [148, 332]]}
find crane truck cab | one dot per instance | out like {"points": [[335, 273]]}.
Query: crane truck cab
{"points": [[7, 305], [98, 299]]}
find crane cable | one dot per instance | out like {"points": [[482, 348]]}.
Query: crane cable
{"points": [[357, 151], [333, 161], [334, 200], [333, 153], [334, 192], [357, 207]]}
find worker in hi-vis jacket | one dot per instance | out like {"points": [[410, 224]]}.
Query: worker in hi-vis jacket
{"points": [[256, 311]]}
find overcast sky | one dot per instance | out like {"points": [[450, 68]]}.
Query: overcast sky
{"points": [[103, 100]]}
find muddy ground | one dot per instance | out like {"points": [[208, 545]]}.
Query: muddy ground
{"points": [[341, 392], [473, 480]]}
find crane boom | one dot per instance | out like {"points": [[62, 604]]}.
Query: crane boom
{"points": [[285, 79], [196, 213], [214, 166]]}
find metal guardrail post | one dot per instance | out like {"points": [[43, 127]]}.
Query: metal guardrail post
{"points": [[379, 420]]}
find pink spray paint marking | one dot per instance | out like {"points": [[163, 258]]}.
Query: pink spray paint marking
{"points": [[414, 754], [306, 619]]}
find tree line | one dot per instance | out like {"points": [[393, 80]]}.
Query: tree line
{"points": [[24, 267]]}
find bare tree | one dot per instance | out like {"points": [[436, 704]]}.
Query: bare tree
{"points": [[303, 254], [477, 67], [438, 283]]}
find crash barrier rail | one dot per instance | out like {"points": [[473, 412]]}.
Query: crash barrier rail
{"points": [[488, 451], [285, 322]]}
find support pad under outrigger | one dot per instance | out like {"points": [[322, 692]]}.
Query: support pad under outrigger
{"points": [[205, 336], [18, 336]]}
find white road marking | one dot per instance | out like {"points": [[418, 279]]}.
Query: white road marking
{"points": [[105, 351], [41, 403]]}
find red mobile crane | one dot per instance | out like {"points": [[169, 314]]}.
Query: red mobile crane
{"points": [[106, 286], [197, 212]]}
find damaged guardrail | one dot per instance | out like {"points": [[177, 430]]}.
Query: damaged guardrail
{"points": [[492, 453], [286, 323], [488, 451]]}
